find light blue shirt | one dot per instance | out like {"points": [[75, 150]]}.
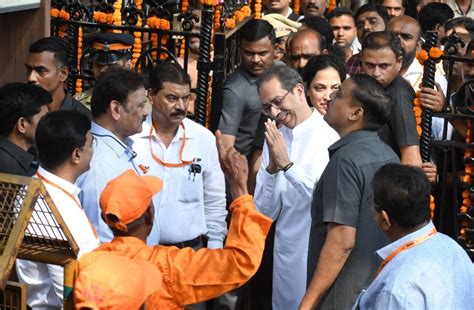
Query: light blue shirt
{"points": [[435, 274], [111, 158]]}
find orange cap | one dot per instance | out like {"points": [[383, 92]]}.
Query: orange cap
{"points": [[127, 197], [107, 280]]}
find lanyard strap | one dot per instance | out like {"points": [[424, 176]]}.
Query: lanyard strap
{"points": [[405, 247], [170, 165], [67, 194]]}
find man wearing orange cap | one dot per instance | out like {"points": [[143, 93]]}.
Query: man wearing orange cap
{"points": [[106, 280], [188, 276]]}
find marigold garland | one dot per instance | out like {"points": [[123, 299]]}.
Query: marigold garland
{"points": [[246, 10], [103, 18], [332, 5], [184, 5], [158, 23], [258, 9], [422, 56], [466, 194], [60, 14], [117, 14], [209, 2], [137, 45], [230, 23], [296, 7], [418, 111], [217, 18], [79, 55], [434, 53]]}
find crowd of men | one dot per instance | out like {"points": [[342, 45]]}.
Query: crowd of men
{"points": [[317, 123]]}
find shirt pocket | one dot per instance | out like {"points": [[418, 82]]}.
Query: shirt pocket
{"points": [[190, 185]]}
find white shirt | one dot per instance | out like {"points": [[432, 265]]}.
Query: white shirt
{"points": [[286, 197], [45, 281], [189, 205], [414, 75]]}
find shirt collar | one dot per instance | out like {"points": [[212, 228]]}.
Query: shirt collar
{"points": [[66, 185], [414, 68], [386, 250], [251, 79], [67, 103], [24, 158], [111, 140], [307, 123], [351, 138], [190, 134]]}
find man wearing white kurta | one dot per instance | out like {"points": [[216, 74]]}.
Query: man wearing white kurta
{"points": [[293, 159], [62, 163]]}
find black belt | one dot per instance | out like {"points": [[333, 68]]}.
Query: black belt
{"points": [[187, 244]]}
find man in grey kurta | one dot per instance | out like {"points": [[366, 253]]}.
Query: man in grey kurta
{"points": [[343, 234]]}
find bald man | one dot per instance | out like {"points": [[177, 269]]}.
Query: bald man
{"points": [[304, 45], [409, 32]]}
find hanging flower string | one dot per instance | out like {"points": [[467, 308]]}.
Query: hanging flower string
{"points": [[466, 194], [422, 56], [158, 23], [137, 45], [184, 5], [60, 14], [79, 54], [332, 5], [258, 9], [296, 7], [184, 8], [117, 14], [217, 18]]}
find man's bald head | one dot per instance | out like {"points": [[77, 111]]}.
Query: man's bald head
{"points": [[409, 31], [305, 44]]}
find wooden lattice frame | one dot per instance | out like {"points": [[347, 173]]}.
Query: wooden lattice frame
{"points": [[13, 297], [31, 226]]}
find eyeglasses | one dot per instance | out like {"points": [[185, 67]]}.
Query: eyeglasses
{"points": [[274, 103], [172, 99]]}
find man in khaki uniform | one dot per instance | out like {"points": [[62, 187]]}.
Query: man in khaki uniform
{"points": [[108, 50]]}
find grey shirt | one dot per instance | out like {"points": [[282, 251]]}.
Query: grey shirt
{"points": [[241, 109], [15, 160], [343, 196], [400, 129]]}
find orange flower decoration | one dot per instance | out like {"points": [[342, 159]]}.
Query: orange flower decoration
{"points": [[435, 53], [54, 13], [422, 56], [246, 10], [296, 6], [229, 23]]}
